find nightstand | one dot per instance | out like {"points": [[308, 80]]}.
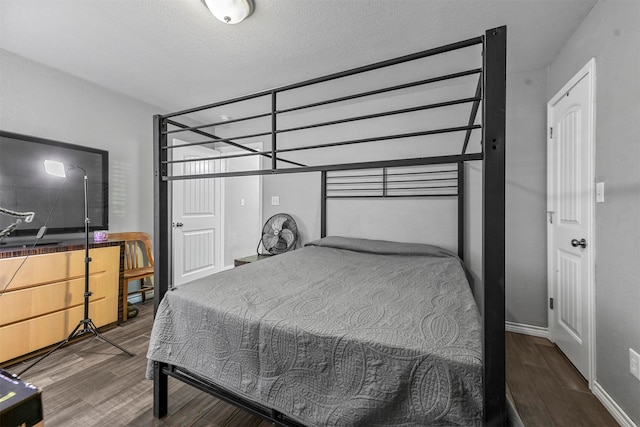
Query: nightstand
{"points": [[248, 259]]}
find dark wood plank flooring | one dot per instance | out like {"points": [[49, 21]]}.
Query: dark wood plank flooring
{"points": [[90, 383], [546, 388]]}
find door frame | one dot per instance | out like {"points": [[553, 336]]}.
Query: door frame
{"points": [[588, 72]]}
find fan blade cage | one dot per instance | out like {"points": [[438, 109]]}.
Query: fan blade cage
{"points": [[279, 234]]}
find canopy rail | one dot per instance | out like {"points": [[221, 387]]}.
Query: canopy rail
{"points": [[215, 139], [232, 140], [383, 90], [185, 128], [335, 167], [330, 144], [353, 71], [255, 129]]}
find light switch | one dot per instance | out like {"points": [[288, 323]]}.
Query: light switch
{"points": [[241, 202], [275, 200], [599, 192]]}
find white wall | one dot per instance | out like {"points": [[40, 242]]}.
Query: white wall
{"points": [[299, 197], [41, 101], [242, 223], [611, 34], [526, 189]]}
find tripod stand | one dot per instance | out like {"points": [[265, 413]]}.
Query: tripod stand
{"points": [[86, 325]]}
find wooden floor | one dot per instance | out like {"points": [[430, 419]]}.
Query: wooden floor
{"points": [[546, 389], [91, 383]]}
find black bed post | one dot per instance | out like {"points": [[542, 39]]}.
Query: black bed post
{"points": [[274, 135], [323, 204], [461, 210], [493, 220], [161, 251]]}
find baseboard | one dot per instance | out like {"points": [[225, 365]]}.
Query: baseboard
{"points": [[616, 411], [521, 328]]}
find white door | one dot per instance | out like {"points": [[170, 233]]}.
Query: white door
{"points": [[570, 220], [196, 216]]}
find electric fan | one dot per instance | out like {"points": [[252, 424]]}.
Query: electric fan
{"points": [[279, 234]]}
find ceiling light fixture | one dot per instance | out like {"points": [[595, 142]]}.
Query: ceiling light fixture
{"points": [[230, 11]]}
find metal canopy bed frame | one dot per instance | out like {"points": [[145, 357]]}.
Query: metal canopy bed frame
{"points": [[490, 95]]}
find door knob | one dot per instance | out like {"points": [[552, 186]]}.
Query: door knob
{"points": [[178, 224], [582, 243]]}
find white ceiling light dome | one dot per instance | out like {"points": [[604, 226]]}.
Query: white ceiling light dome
{"points": [[230, 11]]}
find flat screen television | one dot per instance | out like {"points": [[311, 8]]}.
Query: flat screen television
{"points": [[56, 202]]}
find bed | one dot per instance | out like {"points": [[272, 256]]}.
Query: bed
{"points": [[341, 332], [348, 331]]}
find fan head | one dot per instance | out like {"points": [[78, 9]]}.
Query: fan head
{"points": [[279, 234]]}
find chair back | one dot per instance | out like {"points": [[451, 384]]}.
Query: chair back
{"points": [[134, 241]]}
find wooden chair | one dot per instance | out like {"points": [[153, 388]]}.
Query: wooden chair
{"points": [[134, 266]]}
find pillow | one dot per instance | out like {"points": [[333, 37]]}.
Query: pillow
{"points": [[382, 247]]}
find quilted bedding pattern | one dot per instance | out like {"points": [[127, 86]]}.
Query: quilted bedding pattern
{"points": [[337, 333]]}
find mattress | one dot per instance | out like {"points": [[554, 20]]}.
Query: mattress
{"points": [[341, 332]]}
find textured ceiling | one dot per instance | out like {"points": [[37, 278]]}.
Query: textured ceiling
{"points": [[174, 54]]}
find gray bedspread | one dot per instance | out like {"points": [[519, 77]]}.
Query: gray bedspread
{"points": [[341, 332]]}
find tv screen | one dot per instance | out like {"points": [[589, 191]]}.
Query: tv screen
{"points": [[56, 202]]}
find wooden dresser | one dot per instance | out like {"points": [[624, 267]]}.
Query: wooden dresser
{"points": [[44, 302]]}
